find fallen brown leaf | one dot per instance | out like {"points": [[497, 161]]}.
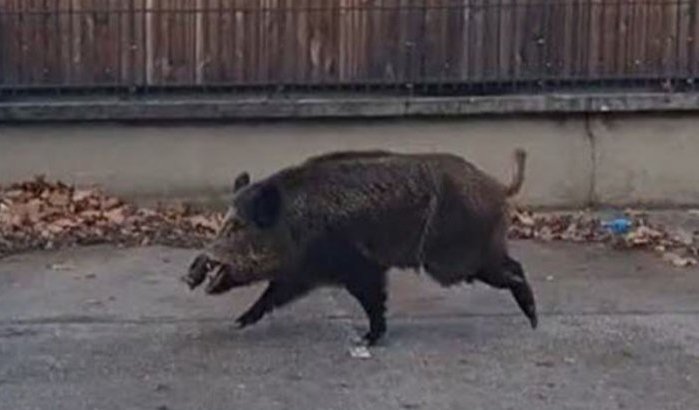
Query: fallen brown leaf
{"points": [[116, 216], [201, 221], [38, 214], [679, 261]]}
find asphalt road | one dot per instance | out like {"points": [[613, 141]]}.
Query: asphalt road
{"points": [[107, 328]]}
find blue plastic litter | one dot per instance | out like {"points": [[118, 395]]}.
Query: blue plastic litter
{"points": [[618, 226]]}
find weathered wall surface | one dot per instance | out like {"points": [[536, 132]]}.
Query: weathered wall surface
{"points": [[647, 158], [574, 160]]}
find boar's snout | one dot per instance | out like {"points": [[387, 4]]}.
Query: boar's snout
{"points": [[223, 280], [222, 277], [198, 269]]}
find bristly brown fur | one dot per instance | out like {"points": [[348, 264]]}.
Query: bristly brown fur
{"points": [[345, 218]]}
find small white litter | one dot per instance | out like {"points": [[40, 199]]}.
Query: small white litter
{"points": [[360, 352]]}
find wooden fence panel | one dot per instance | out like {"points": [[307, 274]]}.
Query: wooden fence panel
{"points": [[693, 38], [137, 43], [9, 50]]}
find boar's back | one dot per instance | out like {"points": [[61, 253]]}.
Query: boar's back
{"points": [[382, 201]]}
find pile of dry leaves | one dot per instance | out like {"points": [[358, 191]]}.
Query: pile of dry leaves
{"points": [[677, 246], [45, 215]]}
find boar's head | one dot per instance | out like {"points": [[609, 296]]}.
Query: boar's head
{"points": [[247, 248]]}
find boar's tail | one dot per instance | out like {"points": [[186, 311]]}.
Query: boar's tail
{"points": [[518, 176]]}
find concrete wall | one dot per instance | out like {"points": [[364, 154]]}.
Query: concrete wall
{"points": [[651, 159], [573, 160]]}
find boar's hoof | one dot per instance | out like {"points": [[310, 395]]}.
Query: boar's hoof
{"points": [[524, 297], [530, 312], [249, 318], [377, 330], [198, 270], [371, 338]]}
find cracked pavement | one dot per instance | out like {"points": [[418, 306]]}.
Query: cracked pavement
{"points": [[109, 328]]}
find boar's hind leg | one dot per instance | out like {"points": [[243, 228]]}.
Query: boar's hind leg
{"points": [[368, 285], [510, 275], [276, 295]]}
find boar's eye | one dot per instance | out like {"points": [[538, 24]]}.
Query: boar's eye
{"points": [[237, 224], [230, 225], [234, 225]]}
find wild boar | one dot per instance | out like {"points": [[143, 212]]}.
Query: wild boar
{"points": [[345, 218]]}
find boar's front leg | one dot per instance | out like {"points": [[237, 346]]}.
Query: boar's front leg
{"points": [[277, 294], [368, 286]]}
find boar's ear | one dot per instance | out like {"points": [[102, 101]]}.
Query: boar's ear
{"points": [[266, 206], [241, 181]]}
